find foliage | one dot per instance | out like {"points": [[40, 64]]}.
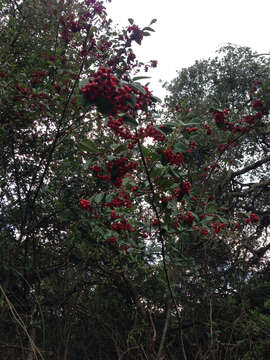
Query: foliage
{"points": [[129, 230]]}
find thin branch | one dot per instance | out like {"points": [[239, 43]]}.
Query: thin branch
{"points": [[251, 189], [163, 253], [164, 332], [250, 167], [19, 321]]}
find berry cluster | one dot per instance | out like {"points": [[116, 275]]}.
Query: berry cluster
{"points": [[188, 218], [111, 240], [190, 130], [170, 157], [84, 204], [253, 218], [123, 225], [121, 200], [185, 187], [244, 124], [151, 131], [218, 227], [112, 97], [148, 131], [118, 128], [136, 34], [117, 170]]}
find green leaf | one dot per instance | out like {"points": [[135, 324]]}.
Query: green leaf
{"points": [[195, 121], [164, 183], [180, 147], [156, 172], [83, 82], [195, 216], [120, 149], [99, 197], [156, 99], [167, 129], [128, 120], [92, 30], [109, 197], [146, 152], [83, 100], [141, 78], [128, 181], [153, 21], [138, 87], [88, 145], [160, 130], [132, 101], [174, 173], [148, 29]]}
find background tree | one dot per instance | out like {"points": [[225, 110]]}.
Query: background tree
{"points": [[222, 82], [225, 83]]}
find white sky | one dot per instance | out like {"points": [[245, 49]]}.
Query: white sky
{"points": [[189, 30]]}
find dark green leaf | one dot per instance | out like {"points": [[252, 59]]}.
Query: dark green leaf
{"points": [[138, 87], [120, 149], [132, 101], [99, 197], [83, 82], [128, 120], [148, 29], [167, 129], [88, 145], [156, 172], [156, 99], [140, 78], [180, 147]]}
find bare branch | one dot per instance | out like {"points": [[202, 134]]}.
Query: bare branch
{"points": [[253, 166]]}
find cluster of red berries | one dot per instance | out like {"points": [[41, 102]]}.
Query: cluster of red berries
{"points": [[84, 204], [123, 225], [218, 227], [223, 123], [117, 170], [149, 131], [136, 34], [253, 218], [190, 130], [111, 240], [220, 116], [118, 129], [173, 159], [111, 97], [98, 173], [188, 218], [185, 187], [209, 130], [121, 200], [37, 75]]}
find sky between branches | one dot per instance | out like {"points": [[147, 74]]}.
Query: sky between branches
{"points": [[189, 30]]}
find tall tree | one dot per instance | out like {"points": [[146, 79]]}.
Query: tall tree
{"points": [[121, 236]]}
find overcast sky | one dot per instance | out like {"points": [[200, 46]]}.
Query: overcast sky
{"points": [[189, 30]]}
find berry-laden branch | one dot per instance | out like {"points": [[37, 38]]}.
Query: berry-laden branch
{"points": [[162, 241]]}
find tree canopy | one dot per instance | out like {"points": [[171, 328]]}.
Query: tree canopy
{"points": [[129, 229]]}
